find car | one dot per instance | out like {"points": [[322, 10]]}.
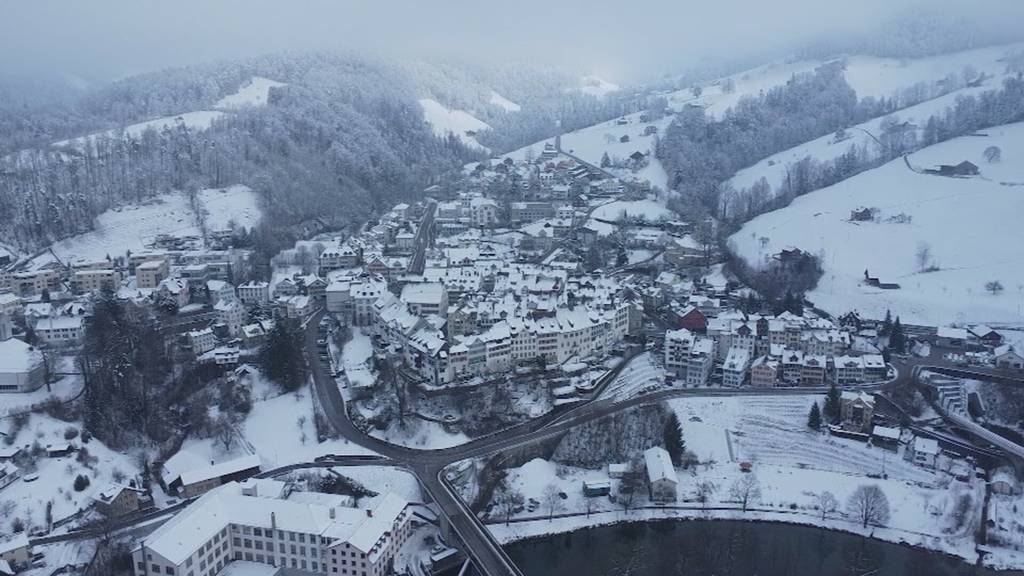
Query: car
{"points": [[30, 477]]}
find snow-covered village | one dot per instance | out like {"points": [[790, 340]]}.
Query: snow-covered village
{"points": [[354, 313]]}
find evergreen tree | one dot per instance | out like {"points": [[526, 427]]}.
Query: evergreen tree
{"points": [[886, 324], [897, 339], [605, 160], [814, 417], [673, 438], [282, 358], [832, 403]]}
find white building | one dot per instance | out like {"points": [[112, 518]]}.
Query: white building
{"points": [[232, 314], [202, 341], [734, 370], [661, 475], [21, 367], [701, 362], [924, 451], [426, 298], [252, 522], [220, 290], [254, 293], [677, 350], [483, 211], [59, 330]]}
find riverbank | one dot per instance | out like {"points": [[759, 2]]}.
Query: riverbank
{"points": [[525, 528]]}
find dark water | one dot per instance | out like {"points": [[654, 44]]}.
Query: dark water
{"points": [[726, 548]]}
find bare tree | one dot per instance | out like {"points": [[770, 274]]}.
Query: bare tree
{"points": [[827, 503], [993, 154], [923, 256], [869, 505], [745, 490], [509, 501], [630, 484], [552, 499], [224, 430], [705, 490], [591, 504], [994, 286]]}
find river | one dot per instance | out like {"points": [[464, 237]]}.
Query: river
{"points": [[726, 548]]}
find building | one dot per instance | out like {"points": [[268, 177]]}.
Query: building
{"points": [[848, 370], [1006, 357], [32, 282], [117, 500], [90, 280], [254, 293], [174, 291], [198, 481], [16, 551], [59, 330], [701, 362], [8, 474], [220, 291], [874, 368], [734, 370], [596, 488], [252, 522], [661, 475], [677, 350], [22, 367], [812, 371], [363, 294], [483, 212], [856, 409], [923, 451], [885, 437], [151, 273], [764, 372], [426, 298], [232, 314]]}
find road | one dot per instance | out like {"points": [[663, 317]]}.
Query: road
{"points": [[423, 235]]}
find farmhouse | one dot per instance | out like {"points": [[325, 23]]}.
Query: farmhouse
{"points": [[661, 476]]}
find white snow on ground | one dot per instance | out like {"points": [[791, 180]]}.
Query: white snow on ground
{"points": [[641, 376], [133, 226], [504, 103], [384, 480], [280, 428], [223, 206], [444, 121], [596, 86], [792, 465], [970, 224], [200, 120], [652, 210], [592, 142], [356, 355], [56, 476], [420, 434], [252, 93]]}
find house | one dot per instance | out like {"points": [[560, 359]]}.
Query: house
{"points": [[812, 371], [965, 168], [885, 437], [60, 330], [701, 362], [950, 337], [734, 370], [1007, 357], [117, 500], [924, 451], [764, 372], [856, 409], [986, 336], [661, 475], [1004, 482], [792, 366], [201, 341], [151, 273], [595, 488], [254, 293], [8, 474], [677, 350], [425, 298], [197, 481], [16, 551], [59, 450], [848, 370], [875, 369], [618, 470], [691, 318]]}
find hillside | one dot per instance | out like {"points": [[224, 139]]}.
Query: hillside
{"points": [[970, 227]]}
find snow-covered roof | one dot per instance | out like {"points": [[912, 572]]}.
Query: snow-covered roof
{"points": [[886, 432], [17, 357], [953, 333], [659, 465], [926, 445], [423, 293], [222, 469], [13, 543]]}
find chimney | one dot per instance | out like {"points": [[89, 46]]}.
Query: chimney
{"points": [[369, 513], [331, 513], [273, 521]]}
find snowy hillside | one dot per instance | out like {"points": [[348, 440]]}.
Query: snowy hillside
{"points": [[253, 93], [882, 77], [596, 86], [133, 226], [445, 121], [970, 226], [504, 103]]}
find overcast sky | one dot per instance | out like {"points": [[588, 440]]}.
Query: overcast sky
{"points": [[622, 40]]}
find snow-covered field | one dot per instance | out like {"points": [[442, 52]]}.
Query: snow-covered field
{"points": [[63, 389], [356, 356], [596, 86], [420, 434], [970, 225], [252, 93], [56, 476], [652, 210], [444, 121], [133, 226], [792, 465]]}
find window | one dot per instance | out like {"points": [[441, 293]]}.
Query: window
{"points": [[257, 532]]}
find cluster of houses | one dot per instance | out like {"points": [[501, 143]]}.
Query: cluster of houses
{"points": [[766, 351], [979, 344]]}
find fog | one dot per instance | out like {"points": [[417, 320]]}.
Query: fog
{"points": [[623, 41]]}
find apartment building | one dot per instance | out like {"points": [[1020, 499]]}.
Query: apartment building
{"points": [[260, 521], [150, 273]]}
